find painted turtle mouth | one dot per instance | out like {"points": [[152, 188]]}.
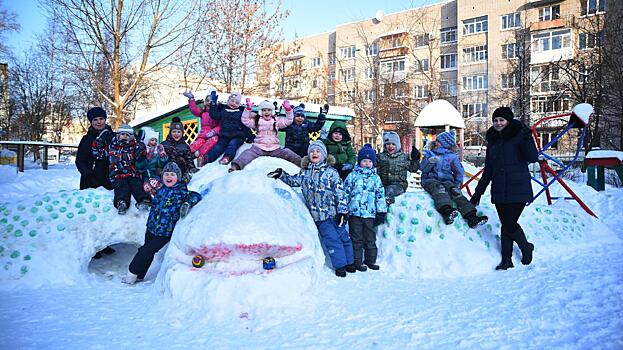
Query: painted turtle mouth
{"points": [[241, 259]]}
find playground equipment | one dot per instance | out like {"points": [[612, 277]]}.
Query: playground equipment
{"points": [[438, 116], [579, 117], [597, 161]]}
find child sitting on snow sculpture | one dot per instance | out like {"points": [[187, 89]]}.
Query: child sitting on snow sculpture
{"points": [[266, 126], [367, 208], [178, 150], [297, 134], [393, 166], [172, 202], [325, 198], [210, 128], [155, 159], [442, 174]]}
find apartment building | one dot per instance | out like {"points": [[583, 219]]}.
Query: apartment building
{"points": [[477, 55]]}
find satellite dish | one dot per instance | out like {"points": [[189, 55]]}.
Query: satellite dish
{"points": [[378, 16]]}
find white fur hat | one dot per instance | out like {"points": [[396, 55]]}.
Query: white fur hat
{"points": [[266, 105], [150, 134]]}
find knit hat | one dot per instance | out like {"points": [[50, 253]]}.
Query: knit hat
{"points": [[172, 167], [176, 124], [366, 152], [391, 137], [96, 112], [320, 146], [266, 105], [150, 134], [126, 129], [299, 110], [236, 96], [503, 112], [446, 139]]}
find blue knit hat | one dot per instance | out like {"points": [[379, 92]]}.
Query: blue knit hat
{"points": [[320, 146], [299, 110], [367, 152], [446, 139]]}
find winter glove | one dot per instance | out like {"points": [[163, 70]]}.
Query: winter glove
{"points": [[380, 219], [286, 104], [275, 174], [161, 152], [249, 104], [213, 97], [347, 166], [415, 153], [189, 95], [184, 209], [341, 219], [140, 135], [475, 200], [324, 109]]}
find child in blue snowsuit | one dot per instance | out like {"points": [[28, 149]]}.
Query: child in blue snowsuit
{"points": [[297, 133], [442, 174], [324, 195], [171, 203], [367, 208]]}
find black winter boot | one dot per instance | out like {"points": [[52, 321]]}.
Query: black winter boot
{"points": [[473, 220], [526, 247], [361, 267], [122, 207], [507, 253], [448, 214], [341, 272], [350, 268], [372, 266]]}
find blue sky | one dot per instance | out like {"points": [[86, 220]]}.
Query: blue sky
{"points": [[306, 17]]}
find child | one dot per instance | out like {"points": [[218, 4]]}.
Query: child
{"points": [[171, 203], [393, 166], [339, 145], [366, 205], [210, 128], [123, 153], [297, 134], [178, 150], [233, 132], [266, 142], [442, 174], [324, 195], [151, 166]]}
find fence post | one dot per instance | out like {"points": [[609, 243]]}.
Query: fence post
{"points": [[20, 157]]}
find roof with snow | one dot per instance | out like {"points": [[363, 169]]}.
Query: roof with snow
{"points": [[440, 113]]}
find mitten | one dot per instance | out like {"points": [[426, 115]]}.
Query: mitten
{"points": [[213, 97], [249, 104], [347, 166], [161, 152], [189, 95], [184, 209], [415, 153], [287, 106], [140, 135], [275, 174], [380, 219], [341, 219], [324, 109]]}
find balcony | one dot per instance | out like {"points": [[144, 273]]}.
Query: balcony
{"points": [[551, 24]]}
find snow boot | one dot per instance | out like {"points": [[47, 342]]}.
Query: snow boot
{"points": [[143, 205], [122, 207], [507, 253], [233, 167], [448, 214], [361, 267], [526, 247], [341, 272], [130, 278], [372, 266], [473, 220], [350, 268]]}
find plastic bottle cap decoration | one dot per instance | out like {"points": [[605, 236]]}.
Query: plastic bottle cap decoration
{"points": [[269, 263], [198, 261]]}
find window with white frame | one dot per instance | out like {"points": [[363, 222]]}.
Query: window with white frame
{"points": [[447, 35], [421, 65], [370, 95], [393, 66], [545, 78], [590, 40], [550, 104], [316, 62], [475, 25], [509, 51], [549, 13], [448, 62], [369, 73], [475, 110], [551, 40], [332, 76], [475, 82], [589, 7], [347, 74], [510, 81], [448, 87], [372, 49], [395, 41], [511, 21], [400, 91], [420, 40], [420, 91], [331, 57], [475, 54], [348, 51]]}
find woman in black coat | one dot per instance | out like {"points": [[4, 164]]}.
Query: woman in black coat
{"points": [[510, 148]]}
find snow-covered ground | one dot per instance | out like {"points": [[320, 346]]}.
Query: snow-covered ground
{"points": [[436, 287]]}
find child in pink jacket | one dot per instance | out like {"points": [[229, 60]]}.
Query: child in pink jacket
{"points": [[210, 128], [266, 126]]}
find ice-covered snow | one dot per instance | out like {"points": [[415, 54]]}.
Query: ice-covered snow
{"points": [[436, 287], [597, 154]]}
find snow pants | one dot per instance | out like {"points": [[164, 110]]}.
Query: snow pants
{"points": [[203, 144], [336, 241], [123, 188], [254, 152], [363, 235], [226, 146], [444, 193], [391, 192], [145, 255]]}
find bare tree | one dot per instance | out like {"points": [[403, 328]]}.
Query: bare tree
{"points": [[8, 23], [612, 73]]}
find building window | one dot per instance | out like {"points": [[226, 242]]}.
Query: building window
{"points": [[420, 91], [347, 74], [549, 13], [475, 54], [509, 51], [316, 62], [332, 76], [550, 104], [370, 95], [372, 49], [546, 138], [475, 110], [554, 40], [401, 91], [395, 41], [590, 40], [421, 65], [475, 82], [448, 35], [544, 78], [348, 51], [369, 73], [589, 7], [475, 25], [331, 57], [448, 62], [511, 20], [315, 83], [448, 87], [393, 66], [421, 40], [510, 81]]}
